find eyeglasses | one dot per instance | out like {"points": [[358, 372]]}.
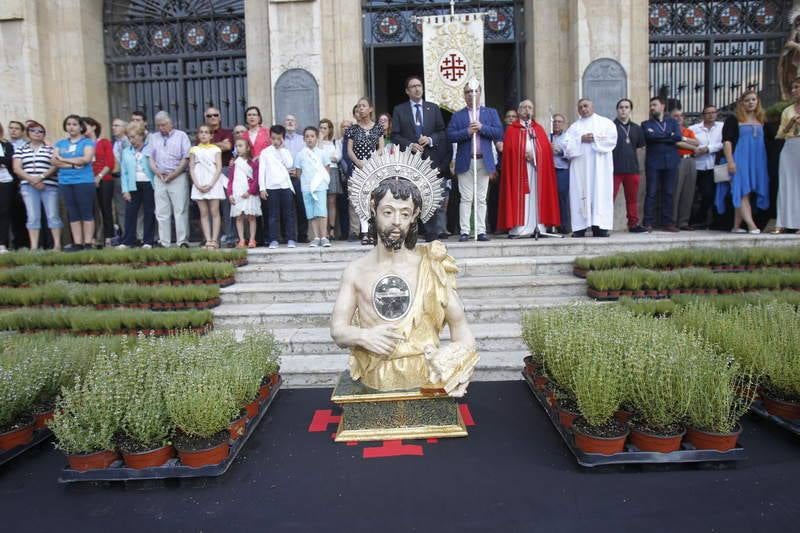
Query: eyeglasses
{"points": [[212, 115], [35, 130]]}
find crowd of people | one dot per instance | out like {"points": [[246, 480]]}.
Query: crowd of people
{"points": [[257, 185]]}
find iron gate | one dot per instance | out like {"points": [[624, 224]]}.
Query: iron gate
{"points": [[711, 51], [180, 56]]}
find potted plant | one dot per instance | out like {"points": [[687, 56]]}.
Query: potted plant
{"points": [[201, 405], [659, 387], [18, 387], [723, 392], [146, 424], [88, 415]]}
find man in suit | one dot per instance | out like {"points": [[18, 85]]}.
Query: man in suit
{"points": [[661, 134], [419, 125], [462, 126]]}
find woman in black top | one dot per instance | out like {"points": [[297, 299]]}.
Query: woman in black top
{"points": [[363, 139]]}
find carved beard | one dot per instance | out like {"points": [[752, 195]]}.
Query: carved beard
{"points": [[390, 242]]}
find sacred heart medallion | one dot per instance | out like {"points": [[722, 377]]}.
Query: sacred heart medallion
{"points": [[391, 297]]}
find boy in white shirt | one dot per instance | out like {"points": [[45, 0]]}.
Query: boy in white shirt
{"points": [[312, 163], [276, 188]]}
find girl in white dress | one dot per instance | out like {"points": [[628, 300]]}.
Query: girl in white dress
{"points": [[205, 168], [243, 192]]}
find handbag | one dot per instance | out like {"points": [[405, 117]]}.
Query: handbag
{"points": [[721, 174]]}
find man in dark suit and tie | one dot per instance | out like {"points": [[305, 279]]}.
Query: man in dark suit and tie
{"points": [[460, 130], [419, 125], [661, 134]]}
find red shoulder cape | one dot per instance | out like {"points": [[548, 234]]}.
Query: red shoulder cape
{"points": [[514, 179]]}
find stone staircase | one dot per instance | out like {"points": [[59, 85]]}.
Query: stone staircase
{"points": [[291, 292]]}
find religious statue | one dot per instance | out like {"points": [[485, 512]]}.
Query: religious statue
{"points": [[789, 62], [394, 302]]}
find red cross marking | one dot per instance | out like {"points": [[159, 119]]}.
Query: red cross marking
{"points": [[322, 419], [393, 448], [453, 67]]}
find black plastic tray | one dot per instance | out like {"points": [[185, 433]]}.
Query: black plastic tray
{"points": [[172, 469], [632, 455], [39, 436], [758, 408]]}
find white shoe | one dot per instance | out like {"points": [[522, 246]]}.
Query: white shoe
{"points": [[315, 243], [291, 244], [273, 245], [3, 249], [325, 242], [755, 231], [146, 246], [122, 247], [738, 230]]}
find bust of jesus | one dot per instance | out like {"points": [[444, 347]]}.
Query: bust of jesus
{"points": [[394, 302]]}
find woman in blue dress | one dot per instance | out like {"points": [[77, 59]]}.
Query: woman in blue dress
{"points": [[745, 152]]}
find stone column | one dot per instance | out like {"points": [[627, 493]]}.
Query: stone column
{"points": [[259, 72], [53, 62], [342, 58]]}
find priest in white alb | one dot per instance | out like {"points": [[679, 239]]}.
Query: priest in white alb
{"points": [[588, 146]]}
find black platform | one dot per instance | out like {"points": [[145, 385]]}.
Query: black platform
{"points": [[513, 473]]}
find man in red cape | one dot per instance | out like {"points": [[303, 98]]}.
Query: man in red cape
{"points": [[515, 182]]}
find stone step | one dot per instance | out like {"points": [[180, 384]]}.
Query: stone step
{"points": [[468, 288], [503, 247], [489, 337], [468, 267], [323, 370], [317, 315]]}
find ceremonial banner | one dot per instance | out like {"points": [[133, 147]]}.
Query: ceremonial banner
{"points": [[452, 50]]}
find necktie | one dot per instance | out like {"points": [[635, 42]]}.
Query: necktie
{"points": [[418, 118]]}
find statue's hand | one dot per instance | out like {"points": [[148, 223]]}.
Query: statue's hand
{"points": [[380, 340]]}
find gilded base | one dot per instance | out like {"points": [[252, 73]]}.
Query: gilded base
{"points": [[369, 415]]}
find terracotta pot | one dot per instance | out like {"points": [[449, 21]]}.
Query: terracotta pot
{"points": [[263, 391], [613, 294], [638, 294], [92, 461], [781, 408], [726, 291], [704, 440], [602, 445], [252, 408], [712, 291], [274, 379], [650, 293], [566, 418], [531, 365], [626, 292], [540, 382], [579, 272], [236, 428], [16, 437], [663, 292], [41, 419], [209, 456], [647, 442], [593, 293], [623, 416], [149, 458]]}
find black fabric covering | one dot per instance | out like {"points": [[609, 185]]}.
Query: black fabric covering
{"points": [[513, 473]]}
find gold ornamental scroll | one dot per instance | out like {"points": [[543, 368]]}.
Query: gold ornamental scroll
{"points": [[452, 51]]}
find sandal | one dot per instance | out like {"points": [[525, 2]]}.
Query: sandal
{"points": [[212, 245], [241, 244], [251, 244], [365, 240]]}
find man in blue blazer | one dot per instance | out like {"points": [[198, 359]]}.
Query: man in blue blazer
{"points": [[460, 130], [661, 134], [419, 125]]}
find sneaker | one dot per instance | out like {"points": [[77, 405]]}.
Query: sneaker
{"points": [[325, 242], [483, 238], [291, 244], [184, 245], [273, 245], [3, 249], [637, 229], [738, 230], [121, 247], [463, 237], [146, 246], [755, 231], [314, 244]]}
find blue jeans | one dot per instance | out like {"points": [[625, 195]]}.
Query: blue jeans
{"points": [[281, 209], [34, 199], [143, 197], [666, 180]]}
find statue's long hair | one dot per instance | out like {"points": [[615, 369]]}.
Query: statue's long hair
{"points": [[401, 189]]}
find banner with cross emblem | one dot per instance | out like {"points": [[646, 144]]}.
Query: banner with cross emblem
{"points": [[452, 50]]}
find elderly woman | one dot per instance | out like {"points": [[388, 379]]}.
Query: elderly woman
{"points": [[73, 157], [33, 164], [136, 181]]}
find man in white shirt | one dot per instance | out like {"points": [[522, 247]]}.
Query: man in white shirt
{"points": [[709, 135], [276, 187], [294, 143]]}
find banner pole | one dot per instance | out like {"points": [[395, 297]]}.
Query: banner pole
{"points": [[473, 87]]}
